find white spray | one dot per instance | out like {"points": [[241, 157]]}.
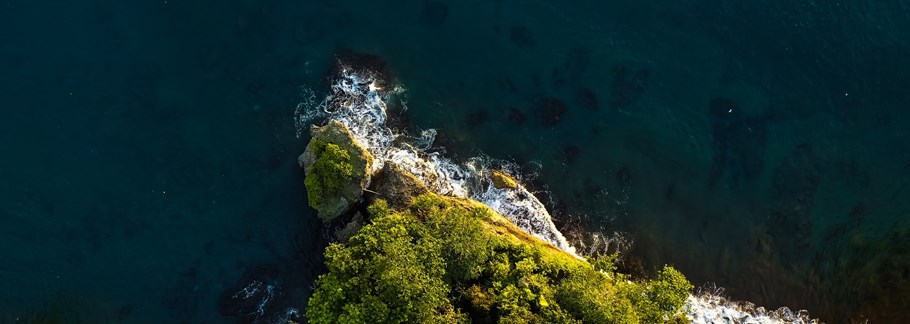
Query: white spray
{"points": [[357, 100]]}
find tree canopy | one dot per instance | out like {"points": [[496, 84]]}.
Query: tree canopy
{"points": [[332, 167], [440, 261]]}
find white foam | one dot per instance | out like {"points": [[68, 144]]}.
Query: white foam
{"points": [[265, 293], [710, 307], [356, 101], [526, 211]]}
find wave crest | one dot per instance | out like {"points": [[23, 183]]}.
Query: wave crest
{"points": [[358, 98]]}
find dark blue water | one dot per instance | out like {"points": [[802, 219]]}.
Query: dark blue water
{"points": [[149, 149]]}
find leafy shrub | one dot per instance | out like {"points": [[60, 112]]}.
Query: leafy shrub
{"points": [[441, 261], [390, 272], [658, 300], [605, 263], [332, 169]]}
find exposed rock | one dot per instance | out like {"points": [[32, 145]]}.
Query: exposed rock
{"points": [[501, 180], [397, 186], [351, 228], [335, 196]]}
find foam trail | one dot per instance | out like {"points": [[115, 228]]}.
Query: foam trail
{"points": [[357, 100]]}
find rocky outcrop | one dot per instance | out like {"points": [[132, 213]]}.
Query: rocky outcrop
{"points": [[351, 228], [337, 169], [501, 180], [397, 186]]}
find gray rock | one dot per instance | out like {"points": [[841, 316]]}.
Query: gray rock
{"points": [[332, 203], [397, 186]]}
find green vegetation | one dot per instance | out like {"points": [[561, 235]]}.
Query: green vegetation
{"points": [[332, 169], [337, 169], [502, 180], [446, 260]]}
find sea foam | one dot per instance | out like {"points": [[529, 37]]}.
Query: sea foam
{"points": [[358, 99], [712, 308]]}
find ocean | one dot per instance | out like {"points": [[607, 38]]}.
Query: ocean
{"points": [[149, 170]]}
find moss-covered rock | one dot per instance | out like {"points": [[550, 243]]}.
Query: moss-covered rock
{"points": [[501, 180], [337, 169], [397, 186]]}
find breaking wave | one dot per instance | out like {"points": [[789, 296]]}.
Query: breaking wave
{"points": [[708, 306], [357, 98]]}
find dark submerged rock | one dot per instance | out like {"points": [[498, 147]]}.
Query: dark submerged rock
{"points": [[858, 212], [551, 110], [397, 115], [598, 126], [891, 286], [514, 116], [570, 153], [521, 36], [627, 86], [124, 312], [509, 84], [573, 67], [851, 173], [739, 150], [587, 98], [560, 210], [453, 145], [669, 191], [624, 176], [794, 185], [181, 298], [476, 118], [361, 63], [433, 13], [258, 297]]}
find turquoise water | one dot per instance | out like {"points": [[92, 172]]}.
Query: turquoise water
{"points": [[149, 161]]}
